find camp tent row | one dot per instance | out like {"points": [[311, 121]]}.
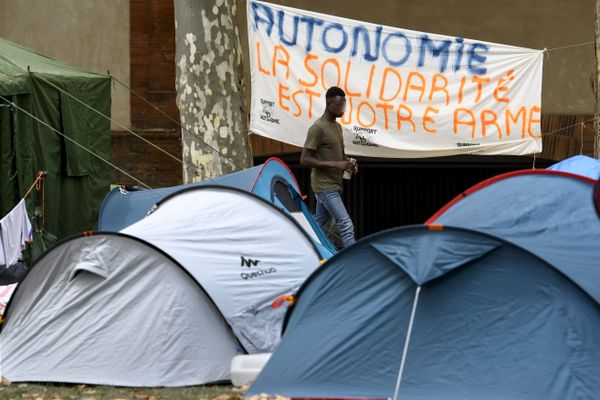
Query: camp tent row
{"points": [[167, 302], [272, 181], [500, 304], [497, 297]]}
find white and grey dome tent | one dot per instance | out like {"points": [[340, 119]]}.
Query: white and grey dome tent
{"points": [[112, 309], [169, 309], [251, 252]]}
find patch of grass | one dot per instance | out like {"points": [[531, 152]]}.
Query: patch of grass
{"points": [[84, 392]]}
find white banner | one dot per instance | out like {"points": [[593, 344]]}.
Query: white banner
{"points": [[408, 93]]}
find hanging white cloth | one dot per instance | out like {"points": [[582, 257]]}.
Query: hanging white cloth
{"points": [[16, 230]]}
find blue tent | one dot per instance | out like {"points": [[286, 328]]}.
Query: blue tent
{"points": [[508, 309], [580, 165], [272, 181], [491, 321], [549, 213]]}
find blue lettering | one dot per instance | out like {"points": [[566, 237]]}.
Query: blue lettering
{"points": [[407, 49], [310, 24], [442, 51], [282, 38], [367, 42], [477, 58], [342, 46], [459, 53], [266, 18]]}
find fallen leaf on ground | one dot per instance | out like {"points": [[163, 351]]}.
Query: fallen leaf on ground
{"points": [[141, 396], [242, 389], [264, 396], [227, 397]]}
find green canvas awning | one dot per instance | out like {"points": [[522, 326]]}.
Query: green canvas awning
{"points": [[77, 181]]}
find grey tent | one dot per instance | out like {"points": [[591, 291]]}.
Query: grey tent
{"points": [[168, 303], [112, 309]]}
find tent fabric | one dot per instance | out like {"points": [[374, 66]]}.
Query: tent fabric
{"points": [[597, 197], [76, 181], [169, 303], [502, 324], [549, 213], [122, 208], [113, 310], [244, 251], [580, 165]]}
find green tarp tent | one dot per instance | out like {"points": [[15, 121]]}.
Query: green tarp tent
{"points": [[76, 181]]}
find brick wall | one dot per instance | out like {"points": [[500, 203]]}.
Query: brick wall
{"points": [[152, 69], [145, 162], [152, 45]]}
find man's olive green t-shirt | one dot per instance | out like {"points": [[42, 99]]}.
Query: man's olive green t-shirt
{"points": [[326, 139]]}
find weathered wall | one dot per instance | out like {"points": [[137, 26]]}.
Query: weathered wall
{"points": [[89, 34]]}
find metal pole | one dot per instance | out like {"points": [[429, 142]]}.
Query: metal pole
{"points": [[407, 341]]}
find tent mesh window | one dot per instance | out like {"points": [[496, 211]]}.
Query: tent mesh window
{"points": [[282, 192]]}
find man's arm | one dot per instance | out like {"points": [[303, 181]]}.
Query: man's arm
{"points": [[309, 159]]}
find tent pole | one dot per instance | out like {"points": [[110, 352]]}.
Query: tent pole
{"points": [[407, 341]]}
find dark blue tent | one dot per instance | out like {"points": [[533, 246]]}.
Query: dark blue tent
{"points": [[491, 321], [549, 213], [509, 316], [580, 165], [272, 181]]}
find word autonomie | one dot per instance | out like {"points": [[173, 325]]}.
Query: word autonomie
{"points": [[394, 47]]}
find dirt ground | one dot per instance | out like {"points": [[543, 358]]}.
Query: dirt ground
{"points": [[84, 392]]}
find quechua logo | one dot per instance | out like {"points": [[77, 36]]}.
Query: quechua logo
{"points": [[249, 262], [252, 270]]}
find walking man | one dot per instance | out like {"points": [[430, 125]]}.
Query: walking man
{"points": [[324, 152]]}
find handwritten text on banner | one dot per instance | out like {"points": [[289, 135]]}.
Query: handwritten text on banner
{"points": [[409, 94]]}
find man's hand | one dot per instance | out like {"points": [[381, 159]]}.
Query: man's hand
{"points": [[354, 165]]}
